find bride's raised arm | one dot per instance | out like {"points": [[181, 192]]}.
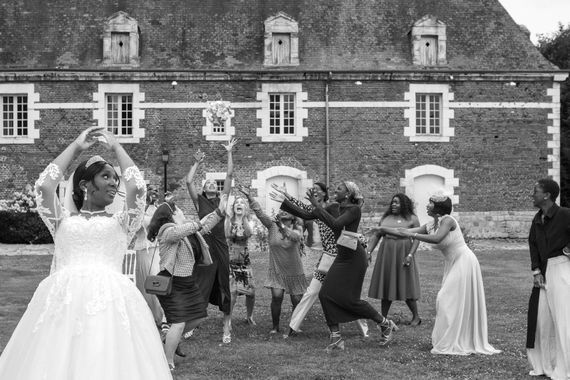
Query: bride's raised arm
{"points": [[48, 204], [135, 185]]}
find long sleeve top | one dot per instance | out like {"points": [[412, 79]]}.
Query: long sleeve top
{"points": [[348, 218], [304, 211], [176, 254], [548, 235]]}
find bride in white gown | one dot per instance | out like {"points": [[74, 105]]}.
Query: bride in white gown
{"points": [[87, 320], [461, 315]]}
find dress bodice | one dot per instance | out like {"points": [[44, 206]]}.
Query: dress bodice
{"points": [[96, 241], [99, 241], [452, 241]]}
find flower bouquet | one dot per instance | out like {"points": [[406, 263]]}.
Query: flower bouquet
{"points": [[218, 112]]}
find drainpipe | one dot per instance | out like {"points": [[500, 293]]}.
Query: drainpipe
{"points": [[327, 132]]}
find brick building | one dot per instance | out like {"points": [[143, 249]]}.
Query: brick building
{"points": [[396, 95]]}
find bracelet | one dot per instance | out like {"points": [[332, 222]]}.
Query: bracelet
{"points": [[415, 235], [536, 271], [219, 212], [410, 255]]}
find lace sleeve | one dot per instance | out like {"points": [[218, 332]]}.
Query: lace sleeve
{"points": [[135, 187], [48, 204]]}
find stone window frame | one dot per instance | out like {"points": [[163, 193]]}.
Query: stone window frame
{"points": [[446, 112], [121, 22], [281, 23], [429, 25], [15, 89], [100, 111], [216, 176], [301, 112]]}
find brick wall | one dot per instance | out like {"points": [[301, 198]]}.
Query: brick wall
{"points": [[497, 154]]}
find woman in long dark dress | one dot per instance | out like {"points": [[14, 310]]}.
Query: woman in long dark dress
{"points": [[214, 280], [340, 294]]}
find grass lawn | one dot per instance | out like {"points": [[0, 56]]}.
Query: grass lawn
{"points": [[254, 354]]}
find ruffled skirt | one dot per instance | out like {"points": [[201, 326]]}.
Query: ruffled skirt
{"points": [[85, 323]]}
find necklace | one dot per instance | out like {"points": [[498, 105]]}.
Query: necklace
{"points": [[93, 212]]}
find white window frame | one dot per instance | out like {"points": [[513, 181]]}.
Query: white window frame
{"points": [[446, 131], [138, 114], [216, 176], [301, 113], [121, 22], [208, 130], [281, 23], [429, 26], [17, 89]]}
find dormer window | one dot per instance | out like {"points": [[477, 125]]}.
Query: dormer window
{"points": [[281, 41], [121, 41], [429, 42]]}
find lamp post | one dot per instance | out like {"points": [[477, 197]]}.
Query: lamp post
{"points": [[165, 157]]}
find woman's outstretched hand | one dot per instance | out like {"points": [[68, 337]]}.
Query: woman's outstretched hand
{"points": [[277, 197], [244, 190], [106, 138], [281, 190], [312, 197], [230, 146], [199, 156], [88, 137]]}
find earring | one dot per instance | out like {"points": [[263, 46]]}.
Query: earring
{"points": [[85, 196]]}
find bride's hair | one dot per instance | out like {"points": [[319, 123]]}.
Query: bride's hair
{"points": [[161, 216], [441, 207], [86, 173]]}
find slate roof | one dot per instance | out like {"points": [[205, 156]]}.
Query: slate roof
{"points": [[229, 34]]}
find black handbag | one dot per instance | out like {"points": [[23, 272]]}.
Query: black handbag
{"points": [[158, 285]]}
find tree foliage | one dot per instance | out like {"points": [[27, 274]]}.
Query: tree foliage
{"points": [[556, 48]]}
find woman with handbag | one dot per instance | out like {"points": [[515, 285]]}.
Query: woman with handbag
{"points": [[285, 272], [324, 244], [390, 279], [144, 252], [340, 294], [238, 231], [184, 305], [87, 320]]}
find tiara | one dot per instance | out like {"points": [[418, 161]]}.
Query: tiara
{"points": [[93, 160]]}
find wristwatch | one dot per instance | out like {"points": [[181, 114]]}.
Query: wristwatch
{"points": [[566, 251]]}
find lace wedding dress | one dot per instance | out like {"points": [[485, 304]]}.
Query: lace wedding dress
{"points": [[86, 320]]}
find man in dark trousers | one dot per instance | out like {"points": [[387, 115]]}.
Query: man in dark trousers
{"points": [[548, 334]]}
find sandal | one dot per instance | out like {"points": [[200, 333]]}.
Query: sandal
{"points": [[227, 338], [387, 328]]}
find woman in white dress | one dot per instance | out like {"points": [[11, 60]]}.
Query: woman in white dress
{"points": [[87, 320], [461, 315]]}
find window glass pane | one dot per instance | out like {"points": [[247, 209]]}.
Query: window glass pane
{"points": [[14, 115]]}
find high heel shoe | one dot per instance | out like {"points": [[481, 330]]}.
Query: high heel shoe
{"points": [[179, 352], [337, 343], [387, 328]]}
